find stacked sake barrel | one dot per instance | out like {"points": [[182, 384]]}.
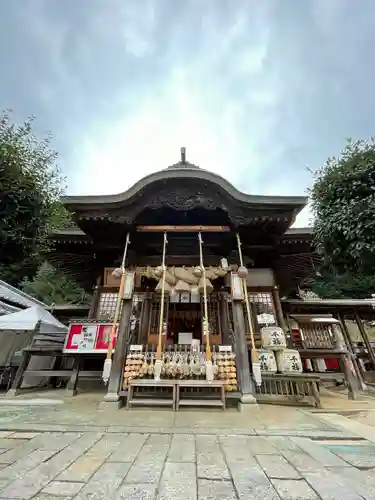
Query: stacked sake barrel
{"points": [[274, 355]]}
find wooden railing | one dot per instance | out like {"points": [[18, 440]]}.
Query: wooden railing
{"points": [[296, 387]]}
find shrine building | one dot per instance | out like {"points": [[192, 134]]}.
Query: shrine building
{"points": [[189, 233]]}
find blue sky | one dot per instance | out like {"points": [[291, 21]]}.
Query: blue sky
{"points": [[257, 90]]}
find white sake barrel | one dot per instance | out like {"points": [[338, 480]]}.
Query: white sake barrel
{"points": [[288, 361], [273, 338], [267, 361]]}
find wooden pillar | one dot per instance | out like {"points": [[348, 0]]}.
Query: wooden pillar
{"points": [[224, 320], [349, 343], [115, 378], [242, 354], [145, 318], [71, 387], [347, 363], [278, 309], [95, 299], [365, 338], [19, 375]]}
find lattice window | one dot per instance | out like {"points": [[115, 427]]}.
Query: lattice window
{"points": [[107, 306], [263, 309], [316, 336], [213, 313], [155, 313]]}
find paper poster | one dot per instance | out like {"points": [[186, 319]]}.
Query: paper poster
{"points": [[87, 338], [223, 348], [236, 287], [266, 319], [185, 338]]}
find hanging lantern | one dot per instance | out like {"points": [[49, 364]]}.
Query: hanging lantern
{"points": [[201, 285], [243, 272]]}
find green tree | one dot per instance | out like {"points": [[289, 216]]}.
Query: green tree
{"points": [[30, 206], [53, 286], [343, 203]]}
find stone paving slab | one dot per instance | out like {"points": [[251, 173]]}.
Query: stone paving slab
{"points": [[292, 489], [60, 488], [36, 479], [172, 465], [216, 490], [178, 482]]}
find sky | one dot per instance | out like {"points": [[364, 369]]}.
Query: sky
{"points": [[258, 91]]}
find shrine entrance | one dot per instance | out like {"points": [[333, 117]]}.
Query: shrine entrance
{"points": [[184, 323]]}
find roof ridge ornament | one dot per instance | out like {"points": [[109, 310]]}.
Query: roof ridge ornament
{"points": [[183, 155], [183, 163]]}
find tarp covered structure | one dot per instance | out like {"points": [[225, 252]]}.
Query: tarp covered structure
{"points": [[29, 319], [18, 329]]}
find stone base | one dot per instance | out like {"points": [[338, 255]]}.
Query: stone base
{"points": [[12, 393], [247, 402], [111, 405], [111, 401], [71, 392], [111, 397]]}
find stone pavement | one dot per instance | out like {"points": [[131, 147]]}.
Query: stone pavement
{"points": [[74, 450], [147, 466]]}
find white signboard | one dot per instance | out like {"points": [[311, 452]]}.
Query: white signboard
{"points": [[86, 340], [136, 348], [266, 319], [185, 297], [185, 338], [223, 348]]}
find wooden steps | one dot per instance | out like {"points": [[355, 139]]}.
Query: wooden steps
{"points": [[200, 402], [151, 402]]}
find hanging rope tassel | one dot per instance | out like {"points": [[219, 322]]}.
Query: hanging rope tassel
{"points": [[206, 330], [243, 272], [158, 362], [120, 271]]}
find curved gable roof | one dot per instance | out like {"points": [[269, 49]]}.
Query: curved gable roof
{"points": [[185, 170]]}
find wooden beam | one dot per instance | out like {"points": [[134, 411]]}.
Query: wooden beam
{"points": [[183, 229]]}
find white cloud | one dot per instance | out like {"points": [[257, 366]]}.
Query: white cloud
{"points": [[255, 90]]}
